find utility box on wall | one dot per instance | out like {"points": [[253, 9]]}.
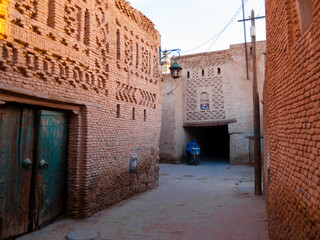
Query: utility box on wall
{"points": [[133, 163]]}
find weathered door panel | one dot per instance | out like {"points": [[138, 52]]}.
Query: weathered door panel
{"points": [[51, 165], [16, 145], [26, 151], [9, 144]]}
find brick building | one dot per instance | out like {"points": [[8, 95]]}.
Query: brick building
{"points": [[292, 119], [211, 102], [79, 101]]}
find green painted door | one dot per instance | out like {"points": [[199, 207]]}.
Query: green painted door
{"points": [[52, 132], [32, 192]]}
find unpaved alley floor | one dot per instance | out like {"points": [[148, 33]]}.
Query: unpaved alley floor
{"points": [[211, 201]]}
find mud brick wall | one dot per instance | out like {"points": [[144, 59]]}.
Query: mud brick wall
{"points": [[292, 119], [97, 59]]}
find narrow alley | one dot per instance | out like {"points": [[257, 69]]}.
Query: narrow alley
{"points": [[214, 200], [103, 103]]}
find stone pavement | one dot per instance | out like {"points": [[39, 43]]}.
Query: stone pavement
{"points": [[211, 201]]}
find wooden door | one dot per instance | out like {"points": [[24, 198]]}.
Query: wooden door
{"points": [[16, 146], [52, 132], [32, 191]]}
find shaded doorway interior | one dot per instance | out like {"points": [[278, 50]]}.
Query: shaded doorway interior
{"points": [[214, 142]]}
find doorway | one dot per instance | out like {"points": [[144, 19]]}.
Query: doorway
{"points": [[33, 158], [214, 142]]}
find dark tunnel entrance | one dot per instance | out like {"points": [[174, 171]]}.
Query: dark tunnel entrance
{"points": [[214, 142]]}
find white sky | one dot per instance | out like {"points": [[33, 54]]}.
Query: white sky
{"points": [[186, 24]]}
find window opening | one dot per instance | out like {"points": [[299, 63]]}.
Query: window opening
{"points": [[219, 70], [202, 73], [118, 110], [149, 62], [137, 55], [188, 74], [204, 101], [133, 113], [118, 45], [145, 115], [86, 28]]}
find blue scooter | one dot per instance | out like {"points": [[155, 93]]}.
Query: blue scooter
{"points": [[195, 156]]}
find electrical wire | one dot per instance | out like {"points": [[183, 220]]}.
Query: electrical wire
{"points": [[200, 44], [217, 36], [259, 12]]}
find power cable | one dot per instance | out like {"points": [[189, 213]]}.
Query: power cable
{"points": [[262, 2], [202, 55], [200, 44], [214, 35]]}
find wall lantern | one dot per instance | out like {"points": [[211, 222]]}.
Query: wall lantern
{"points": [[175, 68]]}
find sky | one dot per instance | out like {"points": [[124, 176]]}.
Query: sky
{"points": [[186, 24]]}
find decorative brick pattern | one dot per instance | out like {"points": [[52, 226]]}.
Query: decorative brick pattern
{"points": [[216, 111], [210, 72], [72, 19], [128, 51], [145, 61], [195, 74], [102, 24], [137, 17], [27, 8], [156, 72], [64, 53], [292, 122], [135, 95]]}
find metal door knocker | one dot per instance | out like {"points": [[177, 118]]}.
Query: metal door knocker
{"points": [[27, 164], [43, 164]]}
